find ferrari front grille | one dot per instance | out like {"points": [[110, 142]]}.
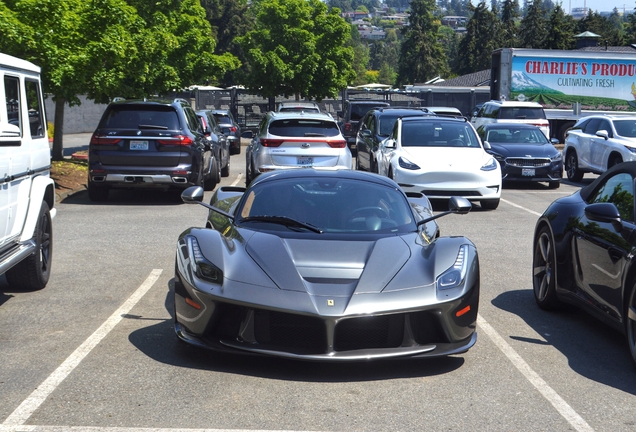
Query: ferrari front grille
{"points": [[369, 332]]}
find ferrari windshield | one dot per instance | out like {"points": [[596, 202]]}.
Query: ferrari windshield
{"points": [[326, 205]]}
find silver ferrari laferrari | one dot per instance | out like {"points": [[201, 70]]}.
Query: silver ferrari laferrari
{"points": [[326, 266]]}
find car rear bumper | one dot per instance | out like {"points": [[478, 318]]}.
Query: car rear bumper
{"points": [[147, 177]]}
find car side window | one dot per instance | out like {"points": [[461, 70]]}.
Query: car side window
{"points": [[618, 190], [193, 121], [12, 100], [34, 104], [592, 126]]}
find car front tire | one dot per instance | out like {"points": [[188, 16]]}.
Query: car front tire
{"points": [[572, 167], [544, 271], [225, 171], [489, 204], [33, 272]]}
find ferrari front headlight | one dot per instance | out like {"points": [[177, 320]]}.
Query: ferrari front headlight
{"points": [[455, 275], [204, 269]]}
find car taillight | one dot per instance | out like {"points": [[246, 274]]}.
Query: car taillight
{"points": [[233, 129], [100, 140], [337, 143], [347, 127], [540, 123], [268, 142], [177, 140]]}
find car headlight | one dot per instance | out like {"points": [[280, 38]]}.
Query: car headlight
{"points": [[631, 149], [557, 157], [407, 164], [204, 269], [455, 275], [497, 156], [490, 165]]}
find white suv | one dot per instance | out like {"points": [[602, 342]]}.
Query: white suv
{"points": [[27, 195], [512, 112], [597, 143]]}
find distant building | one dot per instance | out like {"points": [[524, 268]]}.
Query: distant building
{"points": [[454, 21]]}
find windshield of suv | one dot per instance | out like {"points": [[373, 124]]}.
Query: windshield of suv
{"points": [[326, 205], [223, 119], [359, 110], [626, 128], [137, 116], [304, 127], [520, 113]]}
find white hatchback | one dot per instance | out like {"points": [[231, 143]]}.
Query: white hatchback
{"points": [[292, 140], [441, 158]]}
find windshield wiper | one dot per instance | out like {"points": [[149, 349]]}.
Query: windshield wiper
{"points": [[145, 126], [283, 220]]}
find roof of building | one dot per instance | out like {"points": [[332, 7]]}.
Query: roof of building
{"points": [[475, 79]]}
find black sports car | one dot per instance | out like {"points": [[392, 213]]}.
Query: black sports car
{"points": [[584, 246], [523, 152], [325, 265]]}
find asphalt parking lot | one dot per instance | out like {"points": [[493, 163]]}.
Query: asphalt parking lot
{"points": [[95, 349]]}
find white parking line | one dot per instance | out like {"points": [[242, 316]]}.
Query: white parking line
{"points": [[39, 395], [28, 428], [238, 179], [557, 401], [520, 207]]}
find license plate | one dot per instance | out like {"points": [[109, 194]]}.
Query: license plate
{"points": [[305, 161], [138, 145], [527, 172]]}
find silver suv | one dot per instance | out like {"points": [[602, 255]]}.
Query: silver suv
{"points": [[291, 140]]}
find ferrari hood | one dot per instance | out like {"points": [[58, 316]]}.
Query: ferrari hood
{"points": [[329, 268]]}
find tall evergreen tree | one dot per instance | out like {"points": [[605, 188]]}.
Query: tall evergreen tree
{"points": [[533, 28], [422, 55], [596, 23], [560, 30], [479, 41], [509, 18]]}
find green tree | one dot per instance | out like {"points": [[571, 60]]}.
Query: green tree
{"points": [[479, 41], [422, 55], [560, 30], [630, 28], [179, 48], [450, 41], [229, 19], [533, 29], [596, 23], [297, 47], [386, 74], [361, 56], [86, 49], [509, 18]]}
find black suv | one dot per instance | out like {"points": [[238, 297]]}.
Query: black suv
{"points": [[375, 126], [230, 127], [352, 113], [147, 143]]}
